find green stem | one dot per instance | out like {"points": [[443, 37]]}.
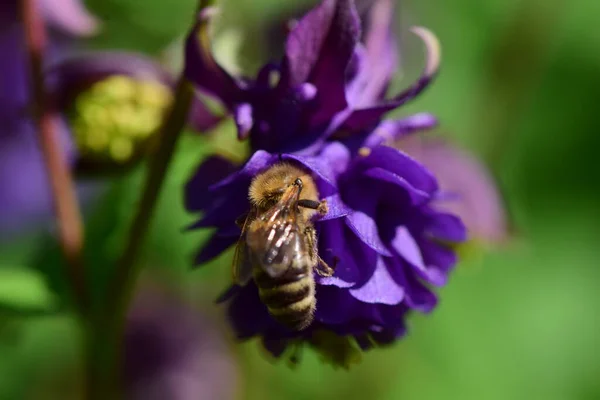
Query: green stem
{"points": [[105, 334]]}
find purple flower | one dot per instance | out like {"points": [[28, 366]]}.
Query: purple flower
{"points": [[390, 245], [105, 105], [69, 16], [328, 82], [172, 351]]}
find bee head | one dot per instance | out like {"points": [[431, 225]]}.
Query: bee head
{"points": [[269, 187]]}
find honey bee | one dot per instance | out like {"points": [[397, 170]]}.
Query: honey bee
{"points": [[278, 245]]}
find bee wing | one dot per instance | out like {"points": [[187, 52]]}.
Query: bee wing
{"points": [[278, 244], [242, 266]]}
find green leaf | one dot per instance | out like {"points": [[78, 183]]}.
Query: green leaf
{"points": [[24, 291]]}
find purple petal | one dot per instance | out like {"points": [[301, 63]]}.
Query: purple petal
{"points": [[437, 257], [337, 208], [247, 314], [275, 346], [334, 305], [446, 227], [322, 168], [408, 248], [242, 114], [319, 49], [258, 162], [402, 165], [474, 196], [216, 245], [371, 115], [390, 130], [212, 170], [416, 196], [417, 295], [381, 288], [70, 16], [203, 70], [326, 35], [380, 59], [365, 227], [67, 78], [339, 245]]}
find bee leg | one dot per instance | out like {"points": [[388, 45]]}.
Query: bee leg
{"points": [[241, 220], [321, 266], [320, 206], [310, 235], [324, 269]]}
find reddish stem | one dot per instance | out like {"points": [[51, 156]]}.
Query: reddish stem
{"points": [[65, 200]]}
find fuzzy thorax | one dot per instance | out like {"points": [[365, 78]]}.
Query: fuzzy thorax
{"points": [[268, 187]]}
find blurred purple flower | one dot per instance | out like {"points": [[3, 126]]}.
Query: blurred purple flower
{"points": [[327, 83], [390, 243], [468, 190], [68, 16], [25, 196], [172, 351]]}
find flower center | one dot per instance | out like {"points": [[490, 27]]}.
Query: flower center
{"points": [[114, 120]]}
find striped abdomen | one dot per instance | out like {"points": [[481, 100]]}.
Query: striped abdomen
{"points": [[290, 298]]}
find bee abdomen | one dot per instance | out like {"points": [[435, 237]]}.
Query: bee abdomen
{"points": [[292, 304]]}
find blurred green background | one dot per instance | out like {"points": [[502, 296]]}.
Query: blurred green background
{"points": [[519, 87]]}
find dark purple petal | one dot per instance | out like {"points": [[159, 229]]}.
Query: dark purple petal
{"points": [[339, 246], [67, 78], [334, 305], [203, 70], [343, 313], [14, 79], [248, 314], [408, 248], [365, 227], [400, 164], [446, 227], [379, 60], [390, 130], [275, 346], [326, 35], [437, 257], [418, 296], [337, 208], [258, 162], [416, 196], [216, 245], [318, 50], [242, 115], [212, 170], [380, 288], [370, 116]]}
